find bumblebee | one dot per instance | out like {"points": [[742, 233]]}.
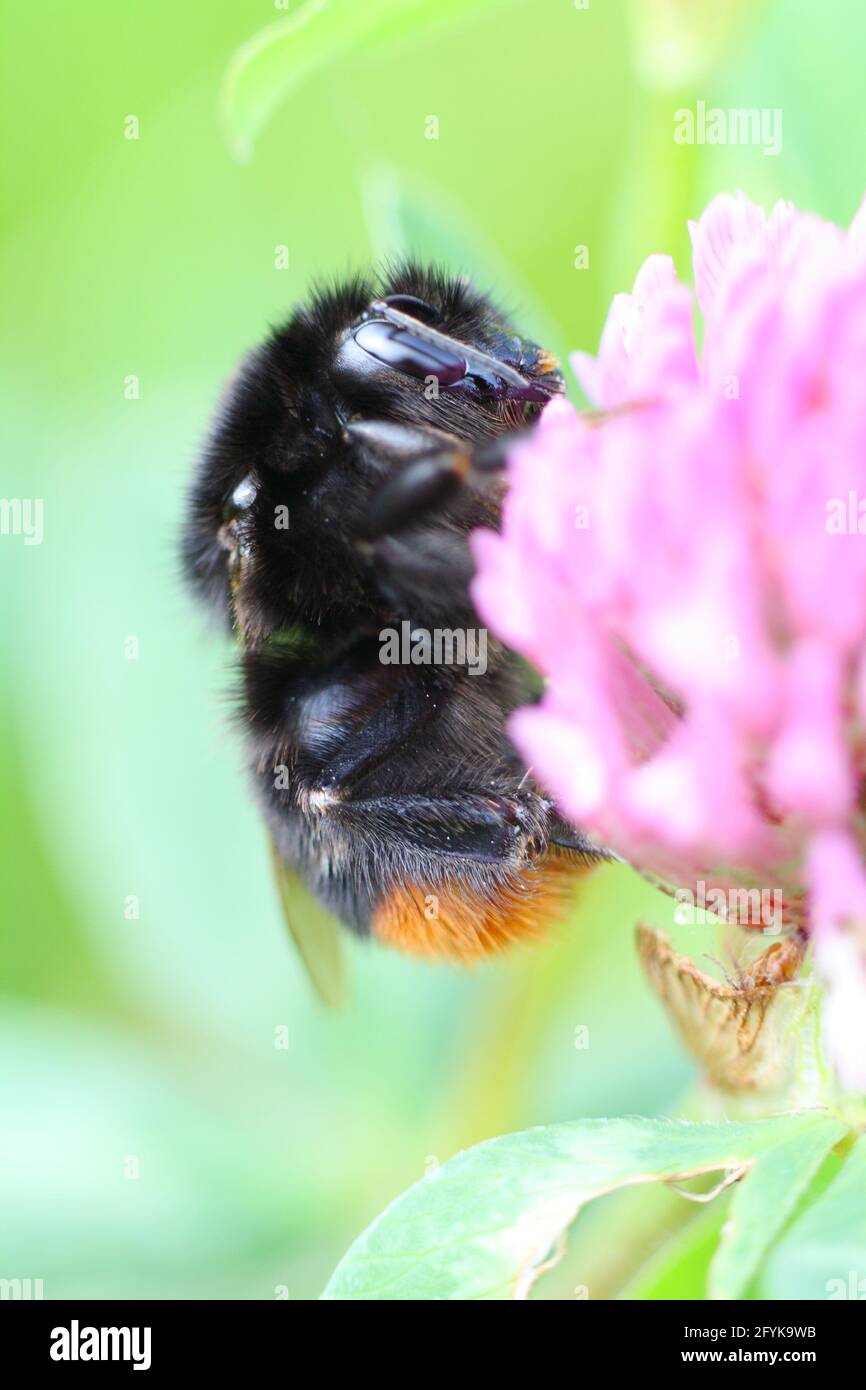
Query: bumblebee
{"points": [[351, 456]]}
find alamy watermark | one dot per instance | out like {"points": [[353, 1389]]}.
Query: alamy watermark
{"points": [[77, 1343], [21, 1290], [854, 1287], [755, 907], [439, 646], [23, 516], [716, 125], [846, 516]]}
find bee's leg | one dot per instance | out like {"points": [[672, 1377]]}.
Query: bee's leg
{"points": [[342, 722], [455, 877], [566, 836], [435, 466], [400, 718], [423, 486], [492, 829], [344, 784]]}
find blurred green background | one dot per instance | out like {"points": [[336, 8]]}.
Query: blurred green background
{"points": [[154, 1141]]}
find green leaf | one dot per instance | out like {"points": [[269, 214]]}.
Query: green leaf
{"points": [[823, 1254], [679, 1266], [761, 1206], [482, 1225], [268, 67]]}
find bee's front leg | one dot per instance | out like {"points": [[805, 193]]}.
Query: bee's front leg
{"points": [[429, 480], [397, 451]]}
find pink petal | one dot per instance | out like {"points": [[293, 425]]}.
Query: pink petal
{"points": [[838, 888]]}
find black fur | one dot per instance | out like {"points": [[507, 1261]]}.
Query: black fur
{"points": [[390, 772]]}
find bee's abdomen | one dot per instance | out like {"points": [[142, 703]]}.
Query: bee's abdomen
{"points": [[464, 922]]}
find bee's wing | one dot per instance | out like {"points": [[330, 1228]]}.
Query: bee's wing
{"points": [[315, 932], [740, 1037]]}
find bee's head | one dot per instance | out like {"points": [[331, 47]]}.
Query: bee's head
{"points": [[431, 346], [417, 347]]}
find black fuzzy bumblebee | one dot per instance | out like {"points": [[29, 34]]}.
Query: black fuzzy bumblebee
{"points": [[352, 455]]}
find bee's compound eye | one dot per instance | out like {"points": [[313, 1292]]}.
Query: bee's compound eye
{"points": [[241, 499], [400, 349], [417, 308]]}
